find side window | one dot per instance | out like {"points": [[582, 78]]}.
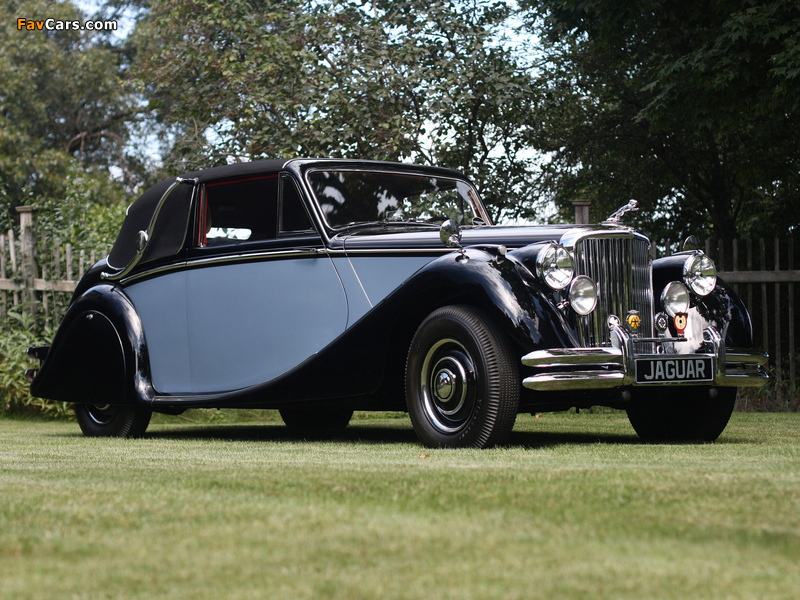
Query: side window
{"points": [[241, 210], [293, 215]]}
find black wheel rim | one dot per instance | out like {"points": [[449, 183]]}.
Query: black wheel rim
{"points": [[101, 414], [447, 385]]}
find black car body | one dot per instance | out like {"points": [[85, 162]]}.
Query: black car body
{"points": [[319, 287]]}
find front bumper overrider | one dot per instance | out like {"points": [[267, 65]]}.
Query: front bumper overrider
{"points": [[563, 369]]}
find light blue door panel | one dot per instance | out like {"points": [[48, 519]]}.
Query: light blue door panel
{"points": [[251, 322], [161, 304], [357, 302], [381, 275]]}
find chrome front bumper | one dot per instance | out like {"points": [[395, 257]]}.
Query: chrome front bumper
{"points": [[562, 369]]}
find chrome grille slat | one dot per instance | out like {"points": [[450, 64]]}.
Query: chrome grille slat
{"points": [[621, 267]]}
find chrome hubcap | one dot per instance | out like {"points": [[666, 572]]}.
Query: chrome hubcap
{"points": [[447, 382]]}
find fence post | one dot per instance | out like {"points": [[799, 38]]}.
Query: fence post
{"points": [[28, 262], [581, 211], [4, 296]]}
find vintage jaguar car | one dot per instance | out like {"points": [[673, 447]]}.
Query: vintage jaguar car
{"points": [[319, 287]]}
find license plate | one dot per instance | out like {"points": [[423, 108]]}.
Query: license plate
{"points": [[674, 368]]}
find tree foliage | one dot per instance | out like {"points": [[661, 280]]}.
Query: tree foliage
{"points": [[64, 105], [690, 107], [383, 80]]}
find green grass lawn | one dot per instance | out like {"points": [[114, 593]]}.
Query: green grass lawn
{"points": [[573, 507]]}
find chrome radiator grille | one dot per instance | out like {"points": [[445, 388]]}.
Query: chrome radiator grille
{"points": [[621, 267]]}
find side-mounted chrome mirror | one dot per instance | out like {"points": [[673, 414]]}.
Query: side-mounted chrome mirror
{"points": [[450, 234]]}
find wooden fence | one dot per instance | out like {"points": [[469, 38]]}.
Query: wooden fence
{"points": [[43, 294], [762, 273]]}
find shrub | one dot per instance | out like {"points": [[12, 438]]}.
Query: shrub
{"points": [[17, 333], [776, 396]]}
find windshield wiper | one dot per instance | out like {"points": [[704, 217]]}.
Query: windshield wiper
{"points": [[384, 225]]}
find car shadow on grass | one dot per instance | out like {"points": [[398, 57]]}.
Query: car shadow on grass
{"points": [[371, 434], [278, 433], [365, 433]]}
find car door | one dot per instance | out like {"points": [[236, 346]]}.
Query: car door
{"points": [[262, 294]]}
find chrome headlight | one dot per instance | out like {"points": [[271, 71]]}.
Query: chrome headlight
{"points": [[675, 298], [583, 295], [700, 274], [555, 267]]}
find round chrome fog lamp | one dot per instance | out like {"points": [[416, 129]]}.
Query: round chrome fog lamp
{"points": [[700, 274], [554, 264], [583, 295], [675, 298]]}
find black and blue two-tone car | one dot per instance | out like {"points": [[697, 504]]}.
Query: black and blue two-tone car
{"points": [[320, 287]]}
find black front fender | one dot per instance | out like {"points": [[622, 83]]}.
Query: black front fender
{"points": [[722, 308], [501, 286]]}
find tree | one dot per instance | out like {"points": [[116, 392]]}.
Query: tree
{"points": [[342, 78], [64, 105], [477, 97], [690, 107]]}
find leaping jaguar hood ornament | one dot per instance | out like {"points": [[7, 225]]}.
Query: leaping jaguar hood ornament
{"points": [[631, 206]]}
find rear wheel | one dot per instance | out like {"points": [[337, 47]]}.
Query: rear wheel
{"points": [[112, 420], [683, 414], [462, 388]]}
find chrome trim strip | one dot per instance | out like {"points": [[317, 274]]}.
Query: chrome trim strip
{"points": [[255, 256], [571, 237], [152, 272], [219, 260], [381, 251], [603, 368], [275, 255], [574, 381], [747, 357], [565, 357]]}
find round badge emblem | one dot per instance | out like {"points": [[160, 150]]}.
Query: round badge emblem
{"points": [[680, 322]]}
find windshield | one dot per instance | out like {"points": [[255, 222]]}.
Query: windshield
{"points": [[351, 197]]}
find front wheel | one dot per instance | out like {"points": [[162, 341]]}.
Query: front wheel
{"points": [[111, 420], [462, 385], [682, 414]]}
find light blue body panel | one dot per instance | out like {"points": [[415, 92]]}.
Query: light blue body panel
{"points": [[380, 275], [357, 302], [224, 327], [252, 322], [161, 305]]}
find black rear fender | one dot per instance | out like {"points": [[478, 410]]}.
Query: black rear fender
{"points": [[98, 350]]}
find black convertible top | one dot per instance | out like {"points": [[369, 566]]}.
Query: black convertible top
{"points": [[170, 228], [243, 169]]}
